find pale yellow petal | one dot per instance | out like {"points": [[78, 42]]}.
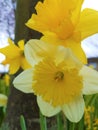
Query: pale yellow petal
{"points": [[74, 110], [90, 80], [46, 108], [3, 100], [88, 23], [23, 82], [35, 50], [63, 53]]}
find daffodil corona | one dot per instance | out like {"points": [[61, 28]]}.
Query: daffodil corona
{"points": [[14, 56], [62, 78], [63, 23], [57, 78]]}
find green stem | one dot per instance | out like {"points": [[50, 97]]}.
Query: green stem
{"points": [[60, 124], [22, 123], [81, 124], [71, 126], [43, 122]]}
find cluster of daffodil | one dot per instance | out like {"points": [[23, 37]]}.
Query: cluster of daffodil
{"points": [[56, 72]]}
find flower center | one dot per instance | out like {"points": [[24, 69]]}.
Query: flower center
{"points": [[59, 76]]}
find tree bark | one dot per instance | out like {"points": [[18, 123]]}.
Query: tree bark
{"points": [[20, 103]]}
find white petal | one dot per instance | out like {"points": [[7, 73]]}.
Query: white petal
{"points": [[35, 50], [3, 100], [90, 80], [46, 108], [23, 82], [74, 110]]}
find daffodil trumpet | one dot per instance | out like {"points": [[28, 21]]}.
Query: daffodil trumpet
{"points": [[63, 22]]}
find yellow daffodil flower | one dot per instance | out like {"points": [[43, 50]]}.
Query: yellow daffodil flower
{"points": [[63, 23], [58, 79], [3, 100], [7, 79], [14, 56]]}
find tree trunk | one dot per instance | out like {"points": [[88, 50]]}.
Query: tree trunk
{"points": [[20, 103], [23, 12]]}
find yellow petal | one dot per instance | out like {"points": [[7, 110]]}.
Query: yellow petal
{"points": [[3, 100], [78, 51], [76, 12], [10, 51], [90, 80], [88, 23], [74, 110], [10, 41], [6, 61], [24, 63], [76, 47], [14, 65], [46, 108], [21, 44], [23, 82]]}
